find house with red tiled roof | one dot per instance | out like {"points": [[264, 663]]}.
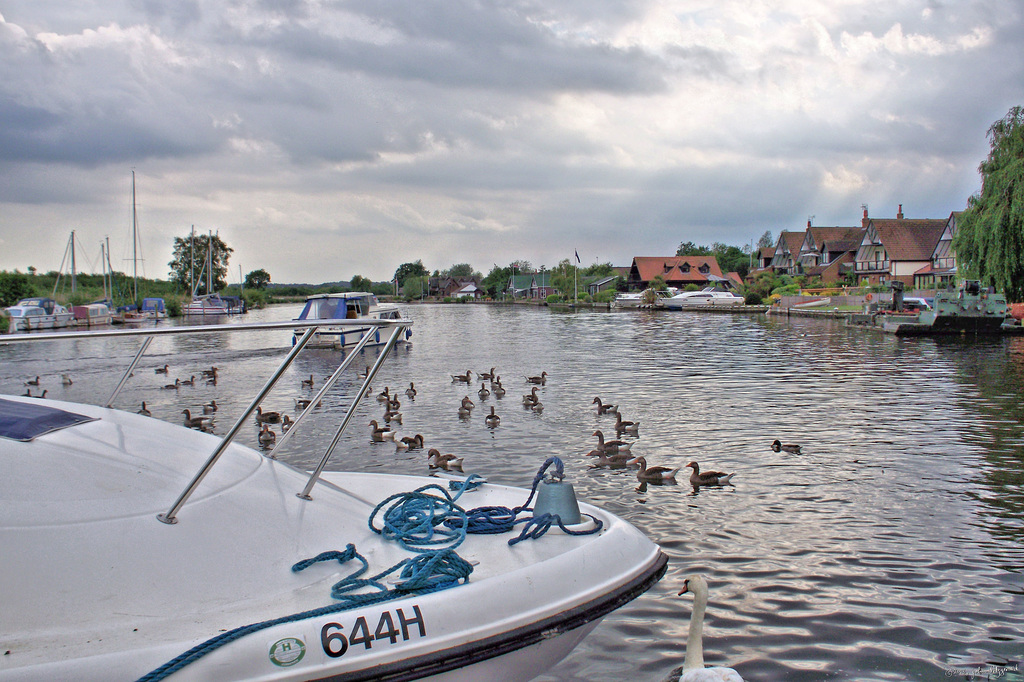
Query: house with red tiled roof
{"points": [[828, 253], [941, 271], [895, 249], [787, 251], [676, 271]]}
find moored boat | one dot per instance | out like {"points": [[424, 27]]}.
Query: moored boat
{"points": [[351, 305], [38, 313], [206, 305], [706, 297], [93, 315], [214, 561], [154, 308]]}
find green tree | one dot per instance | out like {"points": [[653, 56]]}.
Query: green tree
{"points": [[360, 283], [189, 260], [407, 270], [989, 241], [496, 280], [257, 279], [464, 270], [691, 249], [766, 241], [14, 286]]}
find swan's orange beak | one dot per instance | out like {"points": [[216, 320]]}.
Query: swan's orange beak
{"points": [[686, 588]]}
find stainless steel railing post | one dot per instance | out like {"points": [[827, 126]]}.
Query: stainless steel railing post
{"points": [[351, 410], [169, 516], [128, 372]]}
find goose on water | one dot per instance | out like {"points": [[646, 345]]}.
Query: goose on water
{"points": [[488, 375], [390, 416], [610, 445], [209, 373], [384, 396], [308, 383], [614, 461], [267, 417], [379, 434], [194, 422], [483, 392], [693, 669], [191, 381], [175, 385], [267, 437], [438, 461], [65, 380], [791, 448], [303, 403], [32, 382], [160, 370], [462, 378], [144, 411], [653, 474], [708, 477], [498, 390], [409, 442], [601, 407], [623, 426], [492, 419], [411, 391], [531, 397], [286, 423], [542, 379]]}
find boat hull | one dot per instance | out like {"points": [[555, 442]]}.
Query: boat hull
{"points": [[79, 527]]}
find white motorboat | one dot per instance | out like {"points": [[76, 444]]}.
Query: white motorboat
{"points": [[352, 305], [706, 297], [154, 308], [38, 313], [643, 299], [138, 549]]}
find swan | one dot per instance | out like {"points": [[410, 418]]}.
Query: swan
{"points": [[653, 474], [693, 669], [779, 446], [708, 477], [602, 408]]}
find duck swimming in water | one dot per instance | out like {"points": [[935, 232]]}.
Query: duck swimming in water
{"points": [[779, 446]]}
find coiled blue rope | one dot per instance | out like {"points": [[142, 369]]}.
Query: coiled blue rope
{"points": [[420, 522]]}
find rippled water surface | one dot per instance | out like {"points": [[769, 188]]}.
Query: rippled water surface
{"points": [[891, 549]]}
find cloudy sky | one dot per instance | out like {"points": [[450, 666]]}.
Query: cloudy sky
{"points": [[327, 138]]}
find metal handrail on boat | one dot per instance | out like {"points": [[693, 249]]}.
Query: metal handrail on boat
{"points": [[311, 327]]}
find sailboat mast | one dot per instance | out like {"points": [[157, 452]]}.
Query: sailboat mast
{"points": [[74, 274], [135, 240], [192, 263], [103, 264], [209, 262], [110, 275]]}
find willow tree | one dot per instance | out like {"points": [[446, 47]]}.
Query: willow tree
{"points": [[989, 242]]}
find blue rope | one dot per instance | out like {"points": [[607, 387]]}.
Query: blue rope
{"points": [[420, 522]]}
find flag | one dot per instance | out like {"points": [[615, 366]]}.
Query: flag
{"points": [[578, 257]]}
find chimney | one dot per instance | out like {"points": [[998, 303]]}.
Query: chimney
{"points": [[864, 220], [899, 215]]}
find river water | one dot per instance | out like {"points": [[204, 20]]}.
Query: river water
{"points": [[891, 549]]}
